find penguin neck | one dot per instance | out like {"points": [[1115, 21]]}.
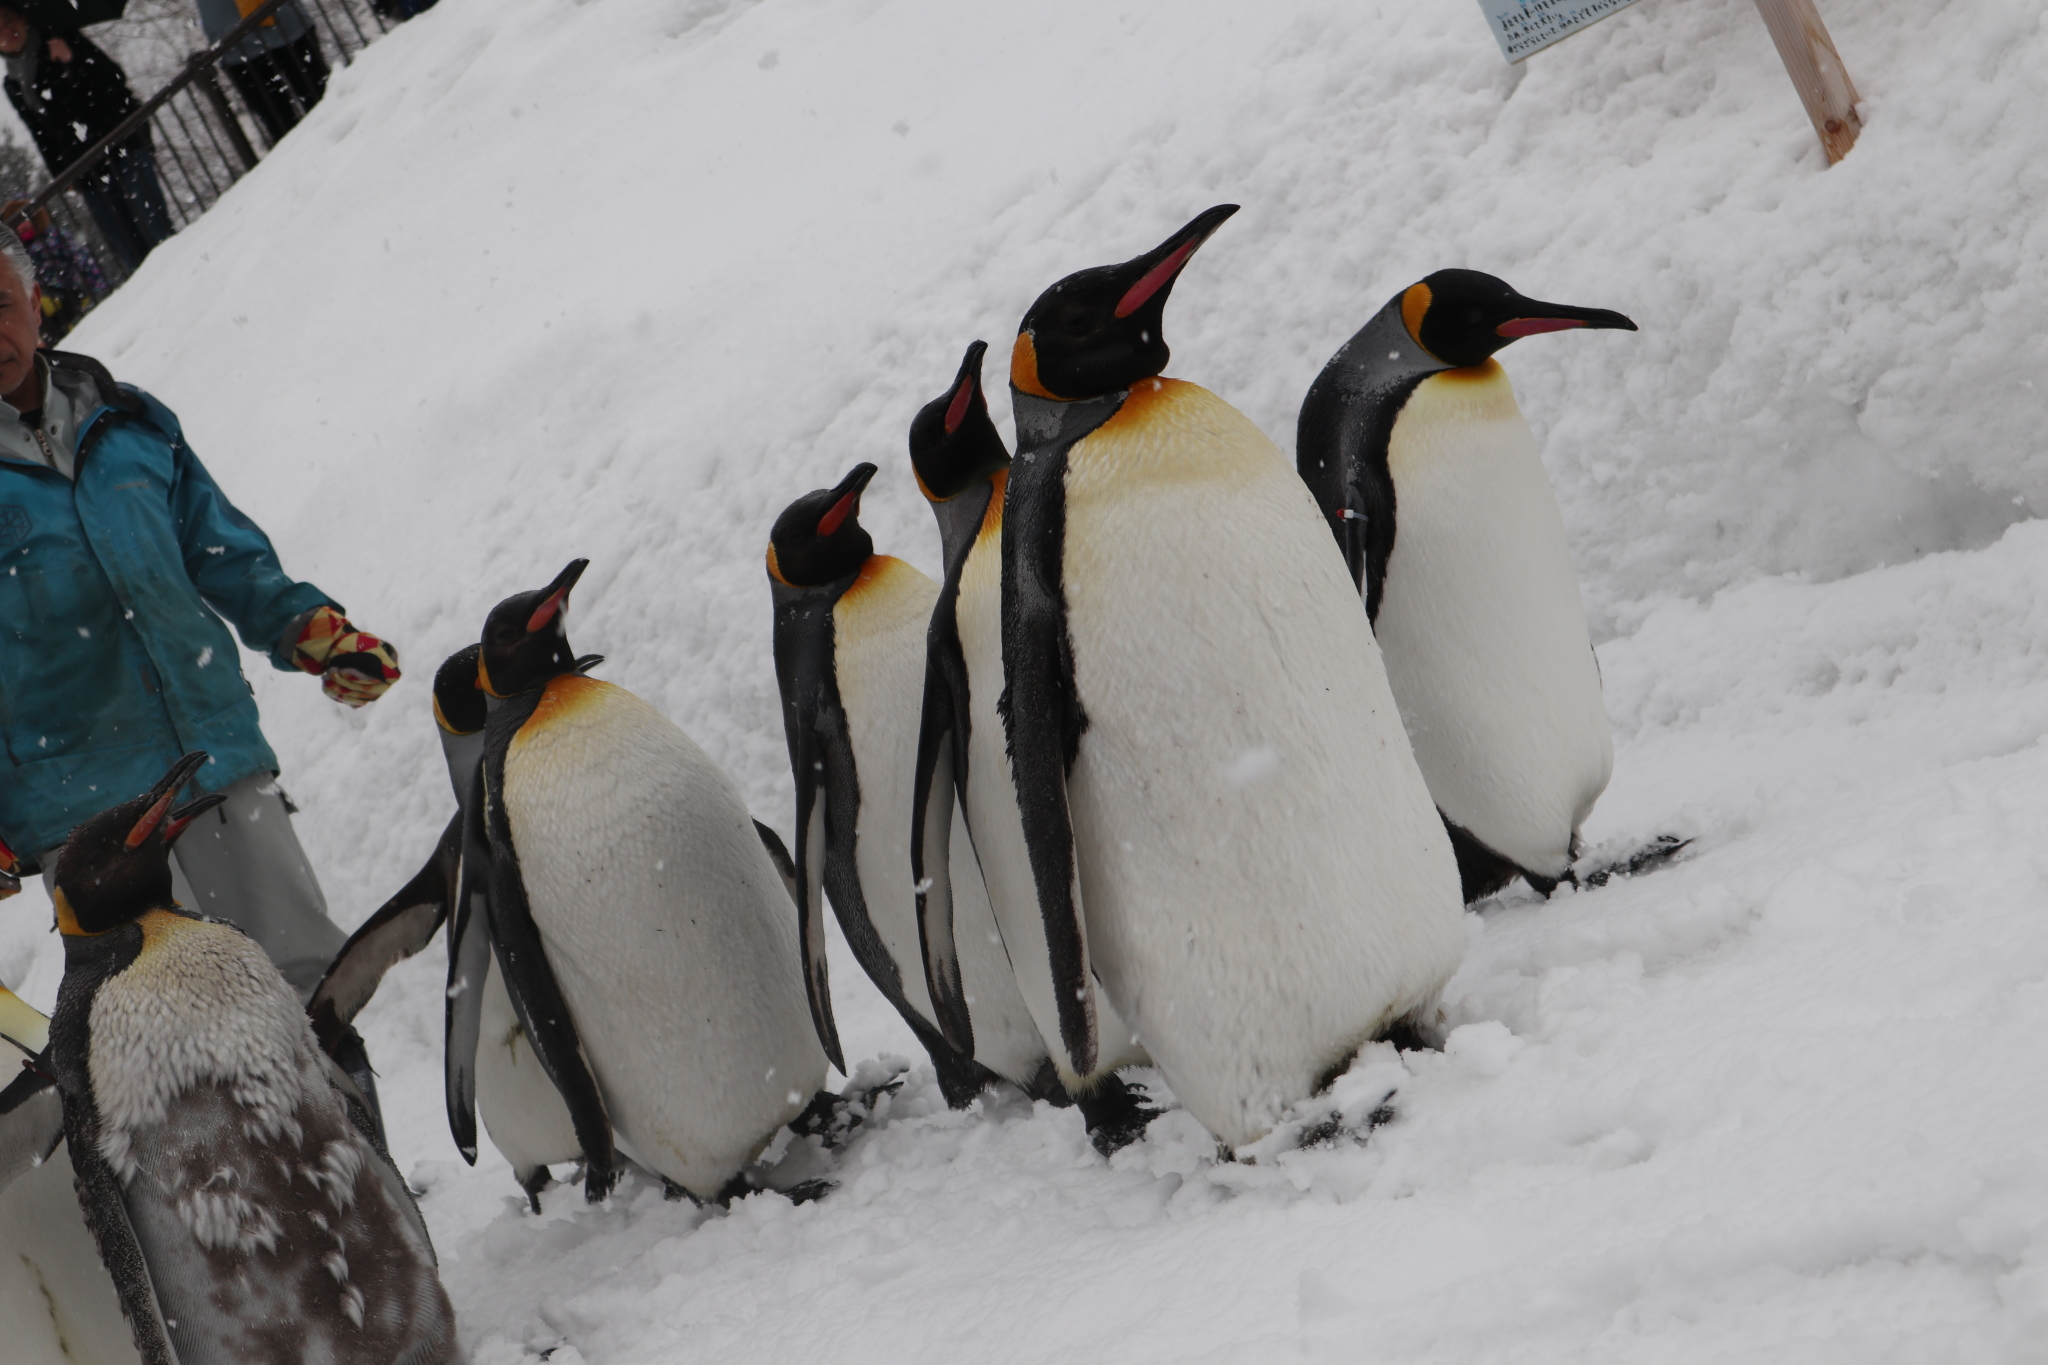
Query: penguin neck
{"points": [[1382, 358], [790, 597], [463, 753], [1043, 422], [960, 518]]}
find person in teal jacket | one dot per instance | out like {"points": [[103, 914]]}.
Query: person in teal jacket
{"points": [[121, 558]]}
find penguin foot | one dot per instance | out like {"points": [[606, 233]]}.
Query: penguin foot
{"points": [[960, 1078], [533, 1181], [809, 1191], [1649, 857], [832, 1119], [1116, 1114], [1045, 1085], [598, 1182], [1330, 1130]]}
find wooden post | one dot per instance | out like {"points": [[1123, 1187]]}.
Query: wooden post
{"points": [[1817, 72]]}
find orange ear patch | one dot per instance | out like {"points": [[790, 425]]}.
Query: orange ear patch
{"points": [[1415, 302], [1024, 369], [992, 520]]}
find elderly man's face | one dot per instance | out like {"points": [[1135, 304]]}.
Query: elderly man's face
{"points": [[21, 319], [13, 33]]}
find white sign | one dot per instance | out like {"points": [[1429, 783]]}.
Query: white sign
{"points": [[1525, 26]]}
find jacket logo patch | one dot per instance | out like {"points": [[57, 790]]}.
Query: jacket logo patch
{"points": [[14, 524]]}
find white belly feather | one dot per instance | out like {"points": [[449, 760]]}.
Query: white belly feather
{"points": [[521, 1109], [999, 830], [879, 655], [1483, 628], [668, 928], [1267, 883]]}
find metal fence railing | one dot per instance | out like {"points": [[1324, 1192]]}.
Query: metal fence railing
{"points": [[168, 162]]}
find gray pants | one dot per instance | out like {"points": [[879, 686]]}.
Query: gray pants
{"points": [[241, 862]]}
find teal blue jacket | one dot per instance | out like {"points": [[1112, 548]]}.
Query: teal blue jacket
{"points": [[113, 656]]}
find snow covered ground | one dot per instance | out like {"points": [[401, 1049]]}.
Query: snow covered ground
{"points": [[619, 279]]}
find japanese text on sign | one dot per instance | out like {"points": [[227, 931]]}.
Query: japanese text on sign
{"points": [[1525, 26]]}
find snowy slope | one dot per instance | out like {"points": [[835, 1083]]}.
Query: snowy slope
{"points": [[620, 278]]}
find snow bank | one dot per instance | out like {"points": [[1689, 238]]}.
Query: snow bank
{"points": [[619, 279]]}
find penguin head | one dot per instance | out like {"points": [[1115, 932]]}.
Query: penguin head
{"points": [[953, 444], [1463, 316], [1098, 331], [818, 539], [526, 638], [117, 865], [458, 699], [10, 871]]}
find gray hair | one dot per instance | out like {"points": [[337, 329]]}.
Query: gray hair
{"points": [[17, 257]]}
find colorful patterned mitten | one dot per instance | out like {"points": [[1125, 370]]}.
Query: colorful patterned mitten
{"points": [[355, 667]]}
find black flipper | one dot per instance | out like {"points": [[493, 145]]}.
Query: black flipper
{"points": [[400, 928], [1341, 438], [1043, 719], [469, 964], [529, 979], [944, 728], [99, 1196], [807, 767], [940, 778], [88, 962], [828, 806], [778, 853], [31, 1121]]}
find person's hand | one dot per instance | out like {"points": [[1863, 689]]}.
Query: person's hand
{"points": [[60, 51], [355, 667]]}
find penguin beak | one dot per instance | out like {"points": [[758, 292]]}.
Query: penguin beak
{"points": [[964, 385], [163, 793], [557, 593], [1164, 262], [847, 503], [1536, 318], [187, 813]]}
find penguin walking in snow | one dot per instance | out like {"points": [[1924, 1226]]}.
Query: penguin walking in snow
{"points": [[849, 660], [963, 771], [225, 1164], [1430, 478], [1224, 821], [488, 1064], [57, 1301], [640, 924]]}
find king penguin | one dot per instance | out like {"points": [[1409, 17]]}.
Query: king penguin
{"points": [[849, 660], [225, 1164], [57, 1302], [643, 930], [488, 1064], [1224, 820], [963, 761], [1431, 480]]}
